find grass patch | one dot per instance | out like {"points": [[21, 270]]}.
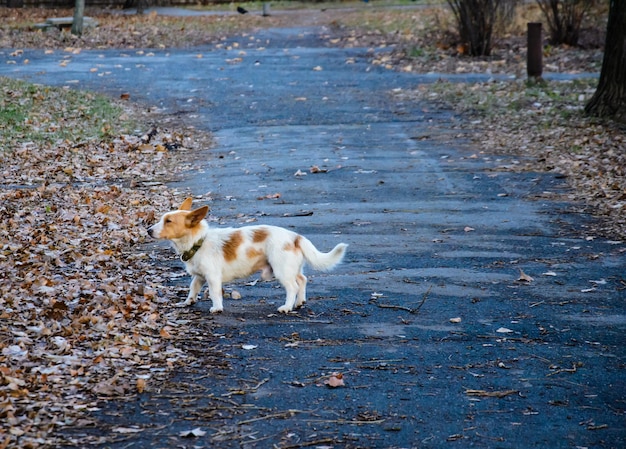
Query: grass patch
{"points": [[548, 101], [47, 115]]}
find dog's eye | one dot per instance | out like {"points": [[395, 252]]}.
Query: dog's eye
{"points": [[168, 220]]}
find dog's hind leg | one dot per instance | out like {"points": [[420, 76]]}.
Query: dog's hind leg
{"points": [[301, 280], [291, 287]]}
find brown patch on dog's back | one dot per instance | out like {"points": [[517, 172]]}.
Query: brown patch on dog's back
{"points": [[260, 235], [253, 253], [230, 246], [295, 246]]}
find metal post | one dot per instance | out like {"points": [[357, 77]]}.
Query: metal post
{"points": [[266, 9], [534, 60]]}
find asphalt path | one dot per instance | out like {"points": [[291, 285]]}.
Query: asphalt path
{"points": [[474, 307]]}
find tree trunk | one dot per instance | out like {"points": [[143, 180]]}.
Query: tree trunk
{"points": [[79, 13], [609, 99]]}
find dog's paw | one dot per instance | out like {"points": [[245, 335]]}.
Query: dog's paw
{"points": [[284, 309], [181, 304], [216, 309]]}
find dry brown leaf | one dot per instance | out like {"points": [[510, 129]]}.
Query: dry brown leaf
{"points": [[523, 277], [335, 380]]}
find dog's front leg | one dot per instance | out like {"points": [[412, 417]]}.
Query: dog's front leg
{"points": [[215, 293], [194, 290]]}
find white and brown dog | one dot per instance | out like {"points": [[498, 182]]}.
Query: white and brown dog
{"points": [[219, 255]]}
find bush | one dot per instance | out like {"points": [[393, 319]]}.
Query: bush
{"points": [[477, 19], [564, 19]]}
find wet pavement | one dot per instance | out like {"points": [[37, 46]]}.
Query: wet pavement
{"points": [[473, 309]]}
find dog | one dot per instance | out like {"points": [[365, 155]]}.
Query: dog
{"points": [[218, 255]]}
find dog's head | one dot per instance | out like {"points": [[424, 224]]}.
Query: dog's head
{"points": [[180, 223]]}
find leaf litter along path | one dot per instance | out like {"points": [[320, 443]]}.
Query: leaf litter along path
{"points": [[517, 323]]}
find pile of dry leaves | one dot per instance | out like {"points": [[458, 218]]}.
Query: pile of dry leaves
{"points": [[115, 30], [81, 311]]}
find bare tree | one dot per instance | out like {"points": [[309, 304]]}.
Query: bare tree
{"points": [[476, 20], [564, 19], [609, 99]]}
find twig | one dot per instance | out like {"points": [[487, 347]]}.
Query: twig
{"points": [[244, 391], [355, 422], [378, 361], [423, 299], [288, 413], [491, 394], [257, 386], [311, 443], [408, 309], [389, 306], [573, 369]]}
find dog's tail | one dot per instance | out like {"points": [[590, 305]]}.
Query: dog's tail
{"points": [[319, 260]]}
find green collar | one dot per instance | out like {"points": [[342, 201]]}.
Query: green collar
{"points": [[187, 255]]}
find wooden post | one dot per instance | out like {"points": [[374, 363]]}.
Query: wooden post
{"points": [[534, 59]]}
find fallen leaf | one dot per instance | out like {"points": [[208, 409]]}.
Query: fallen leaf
{"points": [[197, 432], [335, 380], [126, 430], [523, 277], [316, 169], [270, 196]]}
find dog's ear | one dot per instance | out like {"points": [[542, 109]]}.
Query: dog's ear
{"points": [[186, 205], [195, 216]]}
